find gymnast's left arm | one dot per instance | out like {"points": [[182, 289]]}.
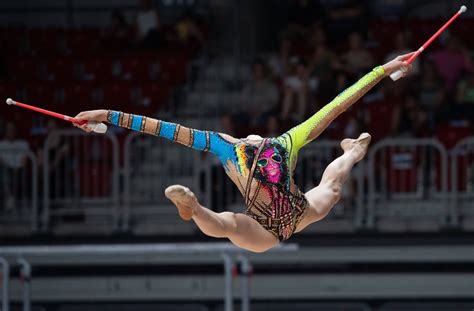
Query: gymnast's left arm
{"points": [[314, 126]]}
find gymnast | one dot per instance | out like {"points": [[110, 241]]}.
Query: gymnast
{"points": [[262, 169]]}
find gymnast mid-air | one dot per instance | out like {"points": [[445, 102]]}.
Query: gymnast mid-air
{"points": [[262, 169]]}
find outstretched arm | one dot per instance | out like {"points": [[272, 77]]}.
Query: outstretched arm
{"points": [[314, 126], [213, 142]]}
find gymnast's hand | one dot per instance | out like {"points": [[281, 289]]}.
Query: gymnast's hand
{"points": [[398, 64], [98, 116]]}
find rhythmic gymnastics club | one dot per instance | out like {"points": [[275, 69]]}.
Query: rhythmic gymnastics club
{"points": [[398, 74], [94, 126]]}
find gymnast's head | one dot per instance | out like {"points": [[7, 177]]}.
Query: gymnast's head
{"points": [[271, 166]]}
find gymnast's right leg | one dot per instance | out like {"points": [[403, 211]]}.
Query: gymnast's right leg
{"points": [[240, 229]]}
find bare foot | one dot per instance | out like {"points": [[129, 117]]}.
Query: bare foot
{"points": [[357, 146], [184, 199]]}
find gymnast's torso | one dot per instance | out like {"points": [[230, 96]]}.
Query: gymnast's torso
{"points": [[262, 169]]}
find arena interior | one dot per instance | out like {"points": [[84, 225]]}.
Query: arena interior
{"points": [[85, 225]]}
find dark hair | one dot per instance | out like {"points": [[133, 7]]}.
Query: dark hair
{"points": [[116, 13], [259, 62], [250, 152]]}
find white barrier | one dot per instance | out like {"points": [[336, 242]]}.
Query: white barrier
{"points": [[151, 164], [80, 182], [407, 185], [347, 215], [5, 272], [19, 191], [462, 184]]}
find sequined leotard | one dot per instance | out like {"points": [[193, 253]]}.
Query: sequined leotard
{"points": [[262, 169]]}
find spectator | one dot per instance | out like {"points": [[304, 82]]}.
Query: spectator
{"points": [[431, 91], [148, 26], [227, 124], [188, 31], [12, 158], [465, 89], [465, 99], [409, 120], [303, 15], [358, 59], [116, 35], [273, 129], [401, 48], [259, 98], [296, 89], [346, 16], [451, 63], [389, 9], [280, 61], [321, 67]]}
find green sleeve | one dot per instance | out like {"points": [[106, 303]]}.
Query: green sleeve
{"points": [[314, 126]]}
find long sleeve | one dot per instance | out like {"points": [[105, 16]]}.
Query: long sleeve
{"points": [[196, 139], [314, 126]]}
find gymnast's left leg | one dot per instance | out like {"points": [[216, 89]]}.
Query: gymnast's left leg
{"points": [[240, 229], [323, 198]]}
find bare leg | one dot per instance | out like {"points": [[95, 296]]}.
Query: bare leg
{"points": [[240, 229], [322, 198]]}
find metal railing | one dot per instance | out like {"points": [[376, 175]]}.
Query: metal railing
{"points": [[19, 190], [150, 165], [25, 278], [462, 183], [80, 181], [5, 273], [407, 179], [347, 215], [229, 254]]}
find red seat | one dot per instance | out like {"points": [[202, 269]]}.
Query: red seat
{"points": [[116, 94], [425, 28], [451, 133], [173, 67], [61, 69], [464, 31], [43, 41], [78, 97], [383, 31], [154, 94], [379, 118], [83, 41], [24, 69], [98, 68], [40, 94], [136, 67]]}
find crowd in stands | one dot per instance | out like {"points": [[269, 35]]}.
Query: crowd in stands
{"points": [[324, 49], [133, 61]]}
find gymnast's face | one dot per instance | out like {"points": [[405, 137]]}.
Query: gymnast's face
{"points": [[269, 164]]}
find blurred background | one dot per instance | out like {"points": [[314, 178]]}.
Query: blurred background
{"points": [[400, 239]]}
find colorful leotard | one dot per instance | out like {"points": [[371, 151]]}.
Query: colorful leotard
{"points": [[261, 169]]}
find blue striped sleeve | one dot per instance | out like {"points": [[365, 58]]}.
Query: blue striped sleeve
{"points": [[199, 141], [137, 123], [114, 117], [167, 130]]}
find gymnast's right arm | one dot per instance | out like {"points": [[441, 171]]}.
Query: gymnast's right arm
{"points": [[201, 140]]}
